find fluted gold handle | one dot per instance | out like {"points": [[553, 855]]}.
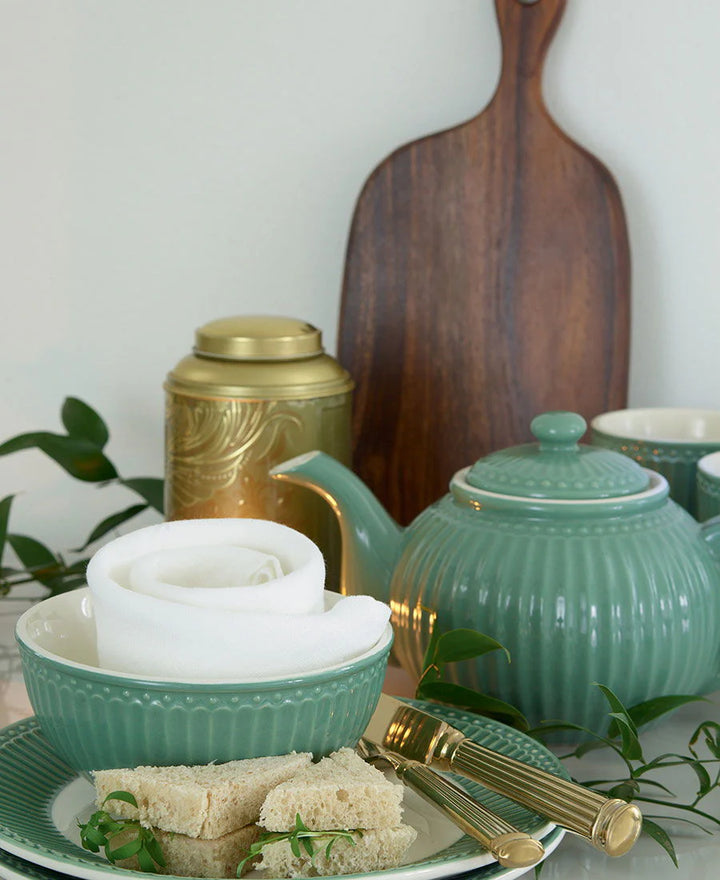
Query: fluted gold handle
{"points": [[512, 848], [610, 824]]}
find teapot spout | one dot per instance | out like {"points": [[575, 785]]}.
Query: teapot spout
{"points": [[371, 539]]}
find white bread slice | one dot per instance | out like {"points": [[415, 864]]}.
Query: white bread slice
{"points": [[340, 792], [376, 850], [193, 857], [204, 801]]}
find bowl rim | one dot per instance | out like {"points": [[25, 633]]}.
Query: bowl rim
{"points": [[150, 682], [606, 425]]}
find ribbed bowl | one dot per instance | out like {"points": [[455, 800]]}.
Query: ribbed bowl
{"points": [[668, 440], [98, 719]]}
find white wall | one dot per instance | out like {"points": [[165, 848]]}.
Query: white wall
{"points": [[166, 162]]}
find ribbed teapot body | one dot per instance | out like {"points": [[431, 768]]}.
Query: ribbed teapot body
{"points": [[627, 600]]}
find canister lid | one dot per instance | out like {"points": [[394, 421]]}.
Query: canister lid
{"points": [[258, 338], [557, 466], [259, 357]]}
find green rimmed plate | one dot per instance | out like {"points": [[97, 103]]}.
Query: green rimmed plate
{"points": [[41, 799]]}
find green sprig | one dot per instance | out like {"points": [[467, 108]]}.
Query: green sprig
{"points": [[622, 736], [452, 647], [81, 453], [102, 830], [300, 838]]}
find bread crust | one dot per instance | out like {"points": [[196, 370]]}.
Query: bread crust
{"points": [[205, 801]]}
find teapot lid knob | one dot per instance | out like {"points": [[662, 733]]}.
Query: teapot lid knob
{"points": [[558, 431]]}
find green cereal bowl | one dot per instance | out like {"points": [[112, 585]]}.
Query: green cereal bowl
{"points": [[98, 719], [669, 440]]}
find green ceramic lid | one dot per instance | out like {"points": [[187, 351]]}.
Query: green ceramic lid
{"points": [[557, 466]]}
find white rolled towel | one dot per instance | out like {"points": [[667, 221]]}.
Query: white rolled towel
{"points": [[223, 599]]}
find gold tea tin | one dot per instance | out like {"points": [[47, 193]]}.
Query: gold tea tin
{"points": [[256, 391]]}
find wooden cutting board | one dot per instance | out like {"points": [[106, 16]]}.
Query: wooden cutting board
{"points": [[486, 280]]}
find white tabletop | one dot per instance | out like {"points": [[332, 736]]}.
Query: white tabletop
{"points": [[698, 853]]}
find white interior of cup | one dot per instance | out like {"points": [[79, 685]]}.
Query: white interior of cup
{"points": [[62, 629], [710, 465], [661, 424]]}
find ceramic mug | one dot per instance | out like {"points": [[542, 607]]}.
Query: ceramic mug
{"points": [[669, 440], [708, 486]]}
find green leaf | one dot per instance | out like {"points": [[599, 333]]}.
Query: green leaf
{"points": [[625, 790], [111, 522], [149, 488], [39, 561], [659, 835], [125, 851], [24, 441], [32, 553], [710, 730], [78, 456], [120, 795], [145, 862], [155, 850], [457, 695], [648, 711], [5, 506], [430, 658], [81, 421], [631, 747], [464, 644], [94, 836]]}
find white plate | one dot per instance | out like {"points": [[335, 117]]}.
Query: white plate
{"points": [[41, 799]]}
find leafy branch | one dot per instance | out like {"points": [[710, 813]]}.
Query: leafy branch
{"points": [[300, 838], [101, 831], [637, 782], [80, 452], [452, 647]]}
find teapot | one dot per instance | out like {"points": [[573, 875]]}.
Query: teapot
{"points": [[573, 557]]}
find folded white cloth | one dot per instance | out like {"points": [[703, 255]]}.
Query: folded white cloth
{"points": [[223, 599]]}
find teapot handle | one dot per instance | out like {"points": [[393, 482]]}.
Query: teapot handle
{"points": [[710, 533]]}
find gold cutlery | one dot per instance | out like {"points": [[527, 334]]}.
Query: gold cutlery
{"points": [[612, 825], [512, 848]]}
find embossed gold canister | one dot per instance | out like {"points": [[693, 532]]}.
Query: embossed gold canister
{"points": [[256, 391]]}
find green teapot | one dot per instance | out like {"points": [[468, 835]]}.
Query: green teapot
{"points": [[572, 556]]}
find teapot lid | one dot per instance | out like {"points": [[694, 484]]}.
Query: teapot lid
{"points": [[557, 466]]}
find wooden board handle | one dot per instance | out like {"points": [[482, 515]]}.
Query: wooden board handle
{"points": [[526, 30]]}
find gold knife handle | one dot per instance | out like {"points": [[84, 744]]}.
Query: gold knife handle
{"points": [[611, 825], [512, 848]]}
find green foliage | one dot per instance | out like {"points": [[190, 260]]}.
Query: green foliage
{"points": [[452, 647], [622, 737], [300, 838], [101, 831], [80, 452]]}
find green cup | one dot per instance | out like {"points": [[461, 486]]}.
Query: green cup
{"points": [[669, 440], [708, 486]]}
